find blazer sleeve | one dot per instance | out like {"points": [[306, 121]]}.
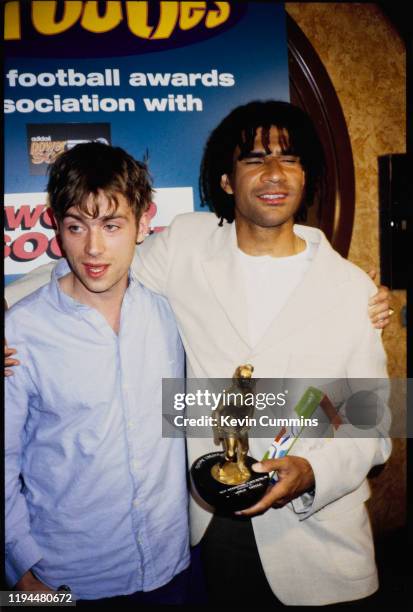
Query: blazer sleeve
{"points": [[151, 262], [341, 464], [28, 283]]}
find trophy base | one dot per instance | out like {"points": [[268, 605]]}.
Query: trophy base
{"points": [[227, 498]]}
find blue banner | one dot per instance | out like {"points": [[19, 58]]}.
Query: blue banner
{"points": [[152, 77]]}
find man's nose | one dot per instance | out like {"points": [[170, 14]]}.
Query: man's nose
{"points": [[273, 170], [95, 242]]}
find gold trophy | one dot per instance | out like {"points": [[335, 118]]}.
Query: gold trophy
{"points": [[233, 469], [224, 479]]}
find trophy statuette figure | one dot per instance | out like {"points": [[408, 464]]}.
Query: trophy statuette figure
{"points": [[224, 479]]}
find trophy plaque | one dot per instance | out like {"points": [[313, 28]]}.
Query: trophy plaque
{"points": [[224, 479]]}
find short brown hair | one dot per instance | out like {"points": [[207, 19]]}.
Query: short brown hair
{"points": [[93, 167]]}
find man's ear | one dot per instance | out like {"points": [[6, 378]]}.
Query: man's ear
{"points": [[58, 236], [143, 227], [226, 184]]}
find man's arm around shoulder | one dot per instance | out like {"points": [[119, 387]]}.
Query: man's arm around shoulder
{"points": [[28, 283]]}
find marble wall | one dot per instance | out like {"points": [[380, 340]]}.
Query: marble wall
{"points": [[365, 59]]}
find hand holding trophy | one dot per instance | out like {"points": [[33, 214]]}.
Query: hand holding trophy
{"points": [[224, 479]]}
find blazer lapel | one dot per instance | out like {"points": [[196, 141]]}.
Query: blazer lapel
{"points": [[225, 279]]}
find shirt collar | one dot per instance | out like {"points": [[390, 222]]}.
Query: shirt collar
{"points": [[67, 303]]}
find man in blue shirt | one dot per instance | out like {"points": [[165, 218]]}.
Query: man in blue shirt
{"points": [[95, 498]]}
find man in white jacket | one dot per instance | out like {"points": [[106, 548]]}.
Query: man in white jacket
{"points": [[256, 288]]}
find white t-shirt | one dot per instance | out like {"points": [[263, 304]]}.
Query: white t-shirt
{"points": [[269, 282]]}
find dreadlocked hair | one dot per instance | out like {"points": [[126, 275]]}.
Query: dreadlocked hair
{"points": [[297, 136]]}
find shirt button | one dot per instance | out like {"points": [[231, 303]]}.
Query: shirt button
{"points": [[135, 502]]}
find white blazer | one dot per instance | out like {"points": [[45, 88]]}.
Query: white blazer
{"points": [[325, 554], [312, 555]]}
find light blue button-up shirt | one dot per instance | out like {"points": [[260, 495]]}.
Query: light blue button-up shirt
{"points": [[95, 497]]}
